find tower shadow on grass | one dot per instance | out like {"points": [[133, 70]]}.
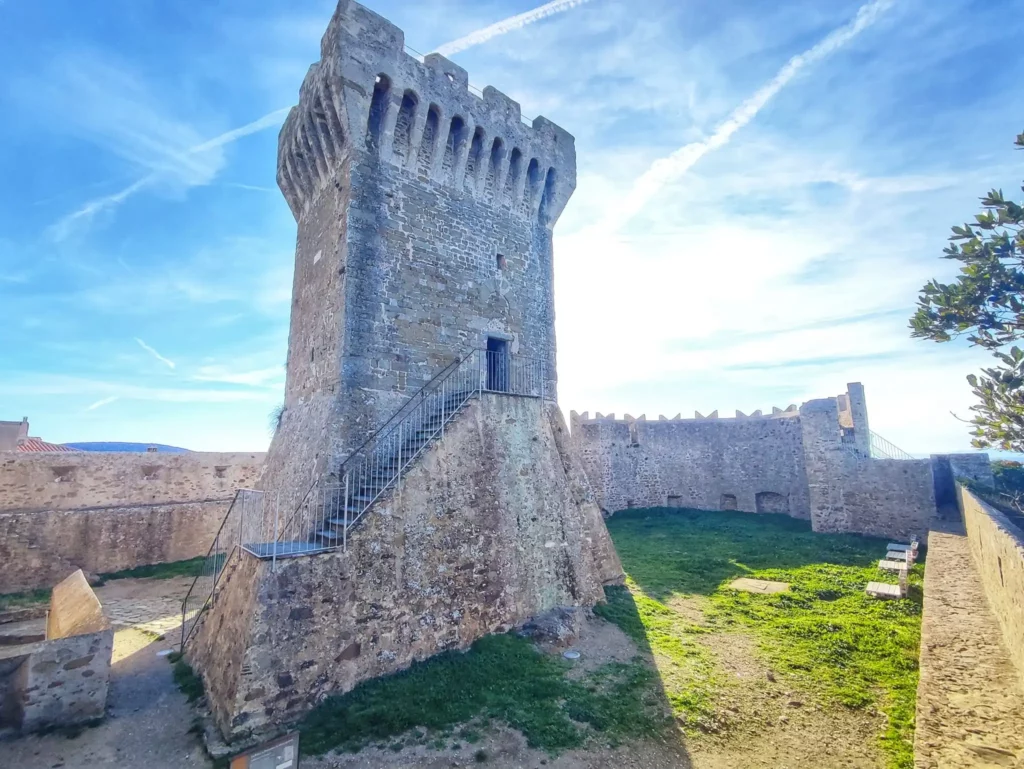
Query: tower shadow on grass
{"points": [[504, 680]]}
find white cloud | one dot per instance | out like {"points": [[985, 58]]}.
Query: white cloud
{"points": [[102, 402], [265, 377], [41, 384], [167, 362], [505, 26]]}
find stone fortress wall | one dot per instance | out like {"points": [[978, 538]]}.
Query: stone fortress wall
{"points": [[107, 511], [811, 462], [449, 200], [469, 546], [751, 463]]}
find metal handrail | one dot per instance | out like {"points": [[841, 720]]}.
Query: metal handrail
{"points": [[213, 565], [335, 503], [420, 394], [311, 491], [884, 449], [878, 447]]}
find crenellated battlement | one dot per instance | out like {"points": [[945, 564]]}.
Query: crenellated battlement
{"points": [[368, 95], [627, 419]]}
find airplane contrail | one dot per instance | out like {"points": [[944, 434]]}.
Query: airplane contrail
{"points": [[669, 169], [510, 24], [63, 228]]}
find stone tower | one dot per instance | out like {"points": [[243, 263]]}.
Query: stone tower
{"points": [[425, 215], [424, 231]]}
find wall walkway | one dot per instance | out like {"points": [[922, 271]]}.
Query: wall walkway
{"points": [[970, 704]]}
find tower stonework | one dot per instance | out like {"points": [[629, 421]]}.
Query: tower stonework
{"points": [[424, 232], [424, 219]]}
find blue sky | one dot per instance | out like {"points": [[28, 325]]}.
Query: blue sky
{"points": [[749, 229]]}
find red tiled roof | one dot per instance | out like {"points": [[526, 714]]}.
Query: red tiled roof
{"points": [[35, 444]]}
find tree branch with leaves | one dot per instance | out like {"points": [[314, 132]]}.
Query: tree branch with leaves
{"points": [[986, 304]]}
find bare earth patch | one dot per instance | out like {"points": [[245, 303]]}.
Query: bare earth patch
{"points": [[148, 719], [758, 585], [765, 723], [770, 724]]}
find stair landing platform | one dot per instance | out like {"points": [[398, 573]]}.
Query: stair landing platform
{"points": [[294, 549]]}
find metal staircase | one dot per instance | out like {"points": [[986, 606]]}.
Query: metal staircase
{"points": [[321, 522]]}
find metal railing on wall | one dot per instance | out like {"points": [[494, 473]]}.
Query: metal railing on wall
{"points": [[878, 447], [321, 522], [204, 587], [883, 449]]}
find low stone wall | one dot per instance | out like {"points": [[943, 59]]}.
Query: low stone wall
{"points": [[997, 545], [63, 680], [39, 548], [84, 479], [491, 526]]}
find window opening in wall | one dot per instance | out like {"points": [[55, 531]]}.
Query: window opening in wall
{"points": [[532, 180], [634, 439], [771, 502], [431, 130], [728, 502], [515, 169], [630, 504], [497, 365], [497, 156], [1000, 562], [404, 124], [675, 501], [378, 107], [150, 472], [547, 196], [476, 154], [220, 470], [453, 144], [63, 474], [501, 263]]}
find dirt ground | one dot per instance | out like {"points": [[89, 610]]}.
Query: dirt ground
{"points": [[761, 722], [148, 719], [764, 724]]}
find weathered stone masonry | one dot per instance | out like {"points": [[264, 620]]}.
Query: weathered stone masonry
{"points": [[107, 511], [424, 226], [424, 230], [493, 525], [813, 462]]}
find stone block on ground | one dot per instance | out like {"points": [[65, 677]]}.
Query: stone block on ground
{"points": [[558, 627], [758, 585]]}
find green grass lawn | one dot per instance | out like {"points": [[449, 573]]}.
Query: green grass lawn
{"points": [[191, 567], [854, 651], [501, 678], [824, 634], [10, 601]]}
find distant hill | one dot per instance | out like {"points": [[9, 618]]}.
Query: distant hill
{"points": [[121, 446]]}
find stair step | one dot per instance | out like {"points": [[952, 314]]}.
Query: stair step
{"points": [[380, 472], [326, 534]]}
